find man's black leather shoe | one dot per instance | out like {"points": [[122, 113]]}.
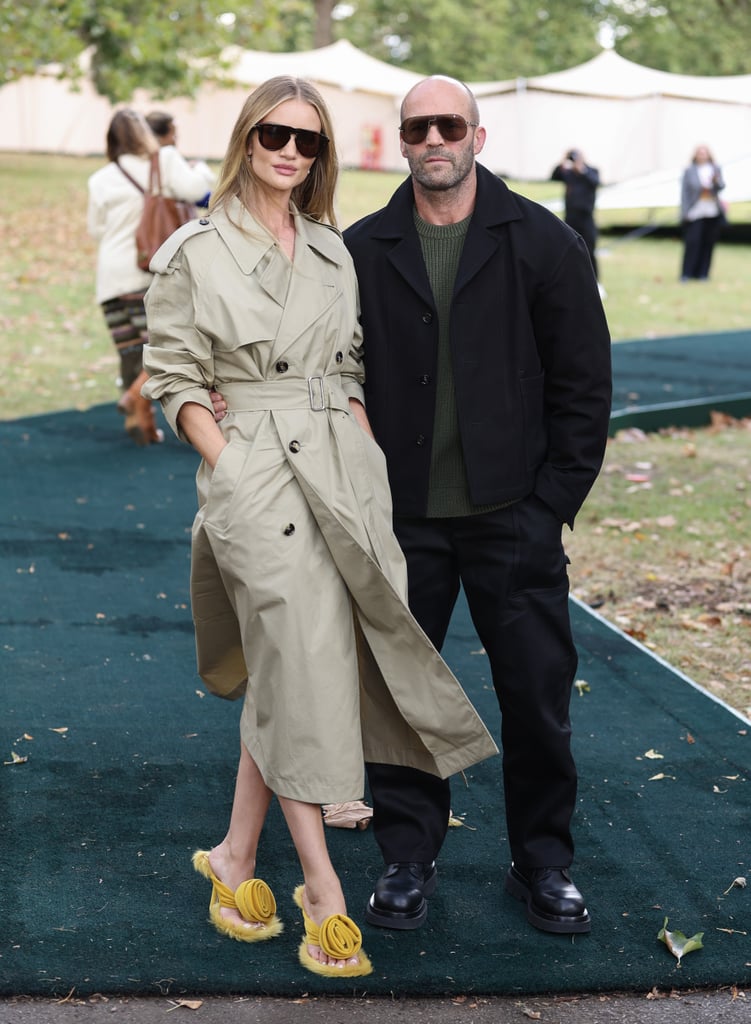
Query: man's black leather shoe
{"points": [[401, 894], [554, 904]]}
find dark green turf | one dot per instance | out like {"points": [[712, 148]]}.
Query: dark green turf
{"points": [[96, 888], [679, 381]]}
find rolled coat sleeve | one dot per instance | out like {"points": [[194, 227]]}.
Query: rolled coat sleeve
{"points": [[178, 358]]}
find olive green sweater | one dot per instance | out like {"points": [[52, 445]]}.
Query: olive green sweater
{"points": [[448, 493]]}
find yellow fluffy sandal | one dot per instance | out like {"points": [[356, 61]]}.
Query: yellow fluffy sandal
{"points": [[339, 937], [253, 898]]}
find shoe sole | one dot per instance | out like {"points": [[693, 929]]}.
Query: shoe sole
{"points": [[556, 925], [399, 921]]}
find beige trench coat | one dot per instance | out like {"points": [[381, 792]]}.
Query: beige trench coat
{"points": [[298, 584]]}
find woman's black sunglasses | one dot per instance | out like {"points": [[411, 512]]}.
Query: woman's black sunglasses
{"points": [[276, 136], [453, 128]]}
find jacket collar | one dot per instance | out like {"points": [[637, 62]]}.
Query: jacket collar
{"points": [[249, 241], [495, 204]]}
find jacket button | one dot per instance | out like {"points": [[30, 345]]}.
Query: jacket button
{"points": [[420, 440], [204, 221], [427, 318], [339, 357], [282, 366], [289, 530], [295, 446], [425, 379]]}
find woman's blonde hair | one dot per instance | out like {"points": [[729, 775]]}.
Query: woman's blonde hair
{"points": [[315, 195], [128, 132]]}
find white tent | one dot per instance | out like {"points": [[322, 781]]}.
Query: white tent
{"points": [[42, 114], [629, 120]]}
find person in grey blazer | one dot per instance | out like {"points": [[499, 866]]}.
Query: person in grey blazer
{"points": [[702, 214]]}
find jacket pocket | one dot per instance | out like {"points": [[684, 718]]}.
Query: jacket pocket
{"points": [[223, 483]]}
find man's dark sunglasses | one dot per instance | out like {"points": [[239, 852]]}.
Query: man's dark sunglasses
{"points": [[276, 136], [453, 128]]}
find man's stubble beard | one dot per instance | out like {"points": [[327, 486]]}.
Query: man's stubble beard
{"points": [[461, 164]]}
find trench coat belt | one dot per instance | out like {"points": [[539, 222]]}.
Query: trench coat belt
{"points": [[316, 393]]}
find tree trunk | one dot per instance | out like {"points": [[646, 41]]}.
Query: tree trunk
{"points": [[322, 33]]}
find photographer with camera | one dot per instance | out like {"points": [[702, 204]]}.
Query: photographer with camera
{"points": [[581, 183]]}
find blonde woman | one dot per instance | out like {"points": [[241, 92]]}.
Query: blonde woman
{"points": [[298, 584]]}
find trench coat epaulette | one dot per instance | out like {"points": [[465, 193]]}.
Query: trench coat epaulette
{"points": [[161, 259]]}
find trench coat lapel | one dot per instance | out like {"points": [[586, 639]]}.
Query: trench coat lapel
{"points": [[302, 296], [252, 248], [314, 285]]}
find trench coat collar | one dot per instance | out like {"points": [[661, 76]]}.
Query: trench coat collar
{"points": [[495, 205], [249, 241]]}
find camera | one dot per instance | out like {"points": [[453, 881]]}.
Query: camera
{"points": [[573, 154]]}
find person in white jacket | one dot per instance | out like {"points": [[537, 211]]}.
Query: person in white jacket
{"points": [[163, 126], [114, 211]]}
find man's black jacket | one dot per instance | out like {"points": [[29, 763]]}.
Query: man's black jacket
{"points": [[529, 342]]}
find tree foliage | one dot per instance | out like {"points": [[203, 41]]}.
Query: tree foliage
{"points": [[492, 39], [160, 47], [130, 44], [691, 37]]}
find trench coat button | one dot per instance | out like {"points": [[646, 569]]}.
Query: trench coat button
{"points": [[427, 318], [295, 446], [425, 378], [204, 221], [420, 440], [282, 366], [339, 357], [289, 530]]}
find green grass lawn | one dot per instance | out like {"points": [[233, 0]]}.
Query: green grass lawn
{"points": [[57, 354]]}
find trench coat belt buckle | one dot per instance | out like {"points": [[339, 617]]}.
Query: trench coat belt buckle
{"points": [[316, 394]]}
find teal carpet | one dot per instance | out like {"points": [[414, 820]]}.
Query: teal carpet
{"points": [[679, 381], [129, 767]]}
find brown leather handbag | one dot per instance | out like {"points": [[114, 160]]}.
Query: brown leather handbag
{"points": [[161, 215]]}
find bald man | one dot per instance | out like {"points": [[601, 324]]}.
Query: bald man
{"points": [[488, 385]]}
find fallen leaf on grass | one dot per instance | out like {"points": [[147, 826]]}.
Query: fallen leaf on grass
{"points": [[653, 755], [16, 758], [582, 687], [666, 521], [660, 775], [740, 882], [459, 822], [637, 634], [677, 942]]}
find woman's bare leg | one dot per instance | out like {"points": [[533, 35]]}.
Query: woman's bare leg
{"points": [[234, 859], [323, 891]]}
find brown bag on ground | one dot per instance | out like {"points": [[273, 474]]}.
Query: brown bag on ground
{"points": [[161, 215]]}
